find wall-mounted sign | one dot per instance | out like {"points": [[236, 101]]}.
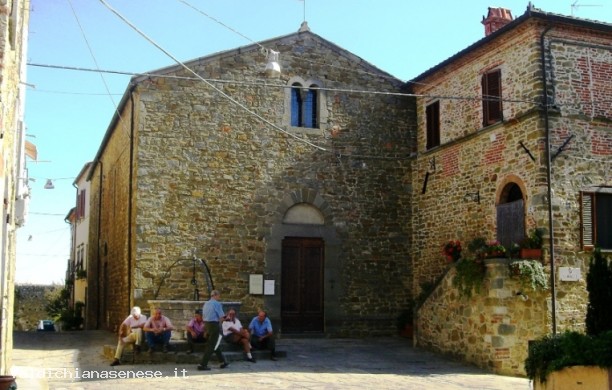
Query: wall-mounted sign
{"points": [[256, 284], [569, 274]]}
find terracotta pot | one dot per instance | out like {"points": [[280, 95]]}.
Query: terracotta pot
{"points": [[407, 331], [531, 253], [6, 381]]}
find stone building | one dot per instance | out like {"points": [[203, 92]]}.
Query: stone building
{"points": [[78, 217], [514, 133], [14, 17], [288, 180]]}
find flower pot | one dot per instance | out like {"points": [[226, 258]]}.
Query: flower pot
{"points": [[531, 253], [494, 255], [407, 332], [6, 381]]}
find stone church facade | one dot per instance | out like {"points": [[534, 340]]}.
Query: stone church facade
{"points": [[290, 179]]}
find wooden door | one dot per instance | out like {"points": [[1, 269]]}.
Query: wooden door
{"points": [[511, 223], [302, 285]]}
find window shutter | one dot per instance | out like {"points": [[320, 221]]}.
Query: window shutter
{"points": [[587, 219], [491, 95], [310, 109], [433, 125], [296, 106]]}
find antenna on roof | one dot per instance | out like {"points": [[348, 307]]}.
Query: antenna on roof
{"points": [[575, 6], [304, 12]]}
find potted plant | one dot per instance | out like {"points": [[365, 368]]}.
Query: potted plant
{"points": [[484, 249], [530, 273], [405, 321], [452, 251], [494, 249], [531, 246]]}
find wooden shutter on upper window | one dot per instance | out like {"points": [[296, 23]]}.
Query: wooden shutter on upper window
{"points": [[491, 98], [587, 219], [432, 112]]}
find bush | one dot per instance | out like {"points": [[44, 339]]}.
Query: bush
{"points": [[553, 353]]}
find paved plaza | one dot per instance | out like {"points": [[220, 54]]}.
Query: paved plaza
{"points": [[70, 360]]}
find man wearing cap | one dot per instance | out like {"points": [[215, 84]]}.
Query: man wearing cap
{"points": [[213, 315], [195, 330]]}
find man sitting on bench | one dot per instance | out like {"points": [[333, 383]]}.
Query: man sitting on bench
{"points": [[262, 334], [234, 333], [130, 332]]}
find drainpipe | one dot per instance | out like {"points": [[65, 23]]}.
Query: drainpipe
{"points": [[549, 184]]}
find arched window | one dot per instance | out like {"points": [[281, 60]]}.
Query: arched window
{"points": [[304, 106]]}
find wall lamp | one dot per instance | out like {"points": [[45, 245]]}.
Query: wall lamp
{"points": [[273, 68], [473, 196]]}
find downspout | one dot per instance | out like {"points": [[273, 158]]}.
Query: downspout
{"points": [[549, 184], [130, 193]]}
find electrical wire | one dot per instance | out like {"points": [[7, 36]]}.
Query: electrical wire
{"points": [[98, 67], [267, 85], [225, 95]]}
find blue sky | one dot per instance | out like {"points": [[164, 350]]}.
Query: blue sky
{"points": [[67, 112]]}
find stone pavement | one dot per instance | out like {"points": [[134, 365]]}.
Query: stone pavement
{"points": [[68, 360]]}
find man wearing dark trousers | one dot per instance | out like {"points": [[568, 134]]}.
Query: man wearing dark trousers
{"points": [[212, 311]]}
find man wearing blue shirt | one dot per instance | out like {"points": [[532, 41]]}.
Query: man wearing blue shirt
{"points": [[262, 336], [212, 311]]}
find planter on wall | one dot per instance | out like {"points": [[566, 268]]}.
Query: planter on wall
{"points": [[576, 377], [531, 253], [6, 381]]}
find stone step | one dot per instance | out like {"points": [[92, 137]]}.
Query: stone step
{"points": [[177, 353]]}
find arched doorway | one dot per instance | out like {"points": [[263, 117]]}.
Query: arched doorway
{"points": [[511, 215]]}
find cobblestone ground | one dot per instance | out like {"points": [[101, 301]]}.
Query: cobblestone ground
{"points": [[68, 360]]}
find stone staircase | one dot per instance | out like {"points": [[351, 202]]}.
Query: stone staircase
{"points": [[177, 353]]}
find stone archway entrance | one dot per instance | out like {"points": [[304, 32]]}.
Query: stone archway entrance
{"points": [[511, 216]]}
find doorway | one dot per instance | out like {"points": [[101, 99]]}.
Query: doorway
{"points": [[302, 284]]}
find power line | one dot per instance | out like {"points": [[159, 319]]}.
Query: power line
{"points": [[267, 85], [242, 106]]}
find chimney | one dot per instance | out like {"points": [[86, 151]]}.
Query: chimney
{"points": [[496, 19]]}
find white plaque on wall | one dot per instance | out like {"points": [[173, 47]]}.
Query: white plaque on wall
{"points": [[256, 284], [269, 287], [569, 274]]}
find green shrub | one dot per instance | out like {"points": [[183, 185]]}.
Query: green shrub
{"points": [[469, 277]]}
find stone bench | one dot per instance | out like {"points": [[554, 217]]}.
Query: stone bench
{"points": [[177, 353]]}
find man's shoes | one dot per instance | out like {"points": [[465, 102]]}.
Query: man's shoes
{"points": [[252, 360], [150, 351], [189, 351], [136, 349], [115, 362], [165, 349], [224, 365], [203, 368]]}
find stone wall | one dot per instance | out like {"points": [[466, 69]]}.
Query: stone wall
{"points": [[30, 302], [476, 160], [491, 329]]}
